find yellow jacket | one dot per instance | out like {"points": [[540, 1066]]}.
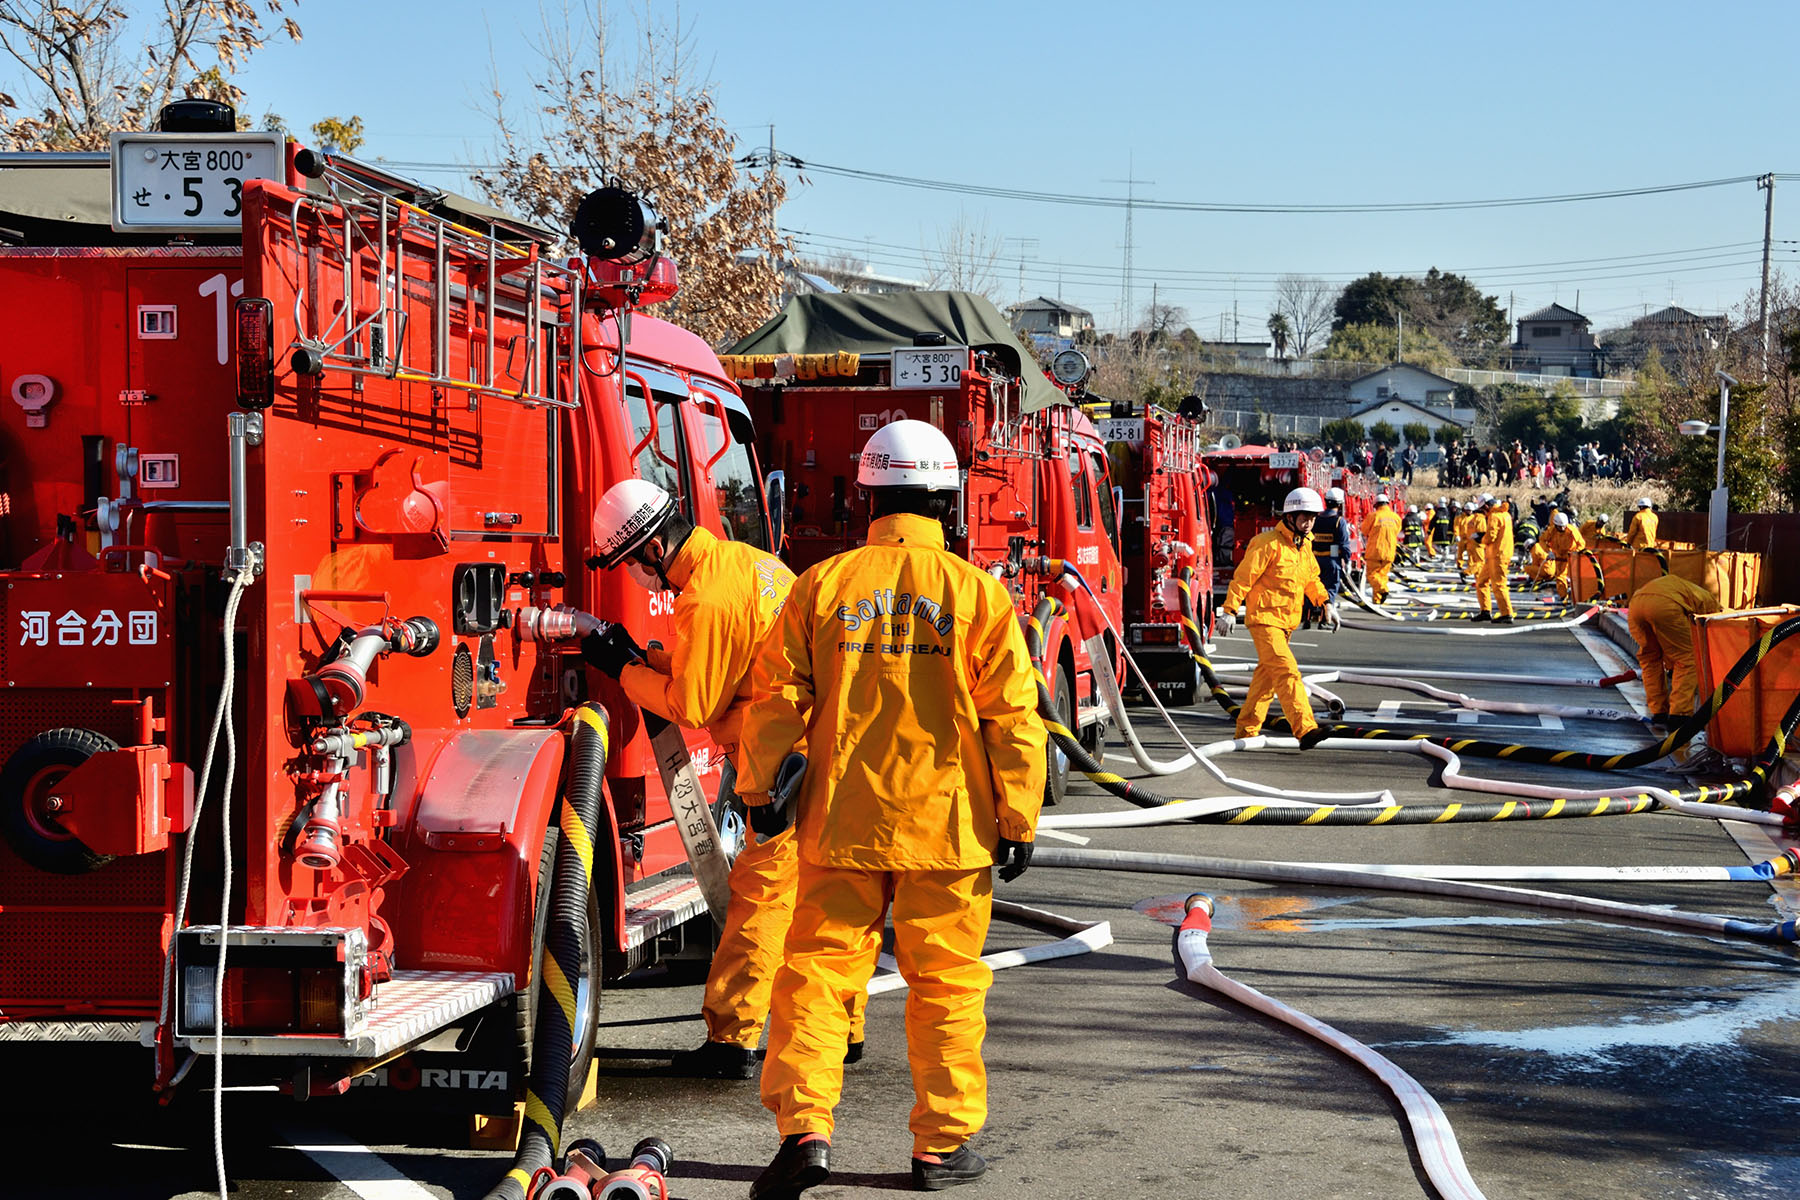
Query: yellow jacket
{"points": [[1642, 535], [1564, 541], [1592, 531], [903, 667], [1273, 579], [1684, 594], [1497, 537], [1381, 533], [731, 595]]}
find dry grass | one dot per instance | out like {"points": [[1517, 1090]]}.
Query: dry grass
{"points": [[1589, 497]]}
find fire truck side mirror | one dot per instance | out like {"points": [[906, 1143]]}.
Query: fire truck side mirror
{"points": [[35, 394]]}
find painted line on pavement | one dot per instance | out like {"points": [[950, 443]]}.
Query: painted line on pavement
{"points": [[357, 1167]]}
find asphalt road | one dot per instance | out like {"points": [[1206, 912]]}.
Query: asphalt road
{"points": [[1573, 1058]]}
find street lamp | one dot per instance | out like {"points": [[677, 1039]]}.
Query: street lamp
{"points": [[1716, 508]]}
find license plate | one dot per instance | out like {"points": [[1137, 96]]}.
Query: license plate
{"points": [[936, 367], [187, 182]]}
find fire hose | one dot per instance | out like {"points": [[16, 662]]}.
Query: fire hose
{"points": [[1438, 1152], [1557, 807], [1689, 728], [553, 1035]]}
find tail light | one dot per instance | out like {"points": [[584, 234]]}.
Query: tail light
{"points": [[1155, 635], [277, 981], [255, 347]]}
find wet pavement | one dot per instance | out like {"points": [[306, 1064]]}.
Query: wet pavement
{"points": [[1573, 1057]]}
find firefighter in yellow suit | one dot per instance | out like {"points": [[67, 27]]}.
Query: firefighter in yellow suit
{"points": [[1642, 534], [1496, 560], [905, 667], [1661, 618], [729, 595], [1430, 522], [1464, 542], [1278, 575], [1381, 541], [1474, 528], [1564, 542]]}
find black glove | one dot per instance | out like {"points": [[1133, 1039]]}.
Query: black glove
{"points": [[775, 816], [609, 649], [1012, 858], [768, 819]]}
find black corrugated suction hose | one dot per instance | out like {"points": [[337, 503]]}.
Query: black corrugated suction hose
{"points": [[547, 1087]]}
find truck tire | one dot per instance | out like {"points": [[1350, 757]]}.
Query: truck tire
{"points": [[587, 987], [1056, 775], [27, 783]]}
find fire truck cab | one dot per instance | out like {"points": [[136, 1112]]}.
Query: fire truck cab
{"points": [[831, 369], [1258, 479], [286, 429]]}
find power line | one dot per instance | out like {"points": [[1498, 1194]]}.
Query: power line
{"points": [[1092, 201]]}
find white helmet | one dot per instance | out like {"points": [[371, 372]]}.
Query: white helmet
{"points": [[1381, 497], [1602, 518], [630, 513], [1487, 497], [1559, 518], [1643, 502], [1335, 496], [1412, 509], [908, 454], [1444, 502], [1302, 500]]}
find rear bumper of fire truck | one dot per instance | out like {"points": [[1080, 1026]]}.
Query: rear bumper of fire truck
{"points": [[1165, 662]]}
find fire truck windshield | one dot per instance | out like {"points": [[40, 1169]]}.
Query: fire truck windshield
{"points": [[659, 430]]}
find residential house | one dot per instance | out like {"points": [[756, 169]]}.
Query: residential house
{"points": [[1050, 319], [1682, 339], [1557, 341]]}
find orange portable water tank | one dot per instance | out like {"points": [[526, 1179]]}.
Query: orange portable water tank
{"points": [[1744, 724]]}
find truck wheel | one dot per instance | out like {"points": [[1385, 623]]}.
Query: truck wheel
{"points": [[27, 792], [1056, 777], [587, 986]]}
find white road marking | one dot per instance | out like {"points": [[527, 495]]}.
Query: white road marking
{"points": [[359, 1168], [1467, 716], [1550, 721], [1064, 836], [1387, 710]]}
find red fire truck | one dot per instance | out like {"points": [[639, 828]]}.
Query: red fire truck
{"points": [[288, 430], [831, 369], [1258, 479], [1162, 483]]}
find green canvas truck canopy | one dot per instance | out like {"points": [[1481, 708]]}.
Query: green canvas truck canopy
{"points": [[875, 324]]}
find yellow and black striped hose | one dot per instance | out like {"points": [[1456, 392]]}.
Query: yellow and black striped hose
{"points": [[547, 1087], [1262, 814], [1690, 727]]}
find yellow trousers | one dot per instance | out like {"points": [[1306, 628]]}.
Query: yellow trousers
{"points": [[940, 926], [1665, 636], [1562, 571], [1277, 675], [763, 880], [1490, 586], [1378, 576]]}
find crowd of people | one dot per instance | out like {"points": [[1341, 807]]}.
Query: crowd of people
{"points": [[1470, 465]]}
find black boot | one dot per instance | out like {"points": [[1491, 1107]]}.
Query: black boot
{"points": [[853, 1053], [1483, 615], [1313, 737], [803, 1161], [716, 1060], [935, 1172]]}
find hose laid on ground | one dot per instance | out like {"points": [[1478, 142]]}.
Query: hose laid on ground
{"points": [[1326, 875], [1689, 728], [1438, 1152], [1472, 703], [547, 1087], [1084, 937]]}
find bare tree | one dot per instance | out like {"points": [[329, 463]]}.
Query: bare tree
{"points": [[965, 257], [1163, 321], [645, 120], [91, 67], [1308, 303]]}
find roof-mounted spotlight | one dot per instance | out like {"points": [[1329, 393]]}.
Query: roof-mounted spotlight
{"points": [[616, 225]]}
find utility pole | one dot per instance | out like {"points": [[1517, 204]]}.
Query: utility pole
{"points": [[1766, 183], [1130, 181]]}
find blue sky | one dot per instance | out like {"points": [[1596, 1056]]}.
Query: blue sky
{"points": [[1291, 103]]}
